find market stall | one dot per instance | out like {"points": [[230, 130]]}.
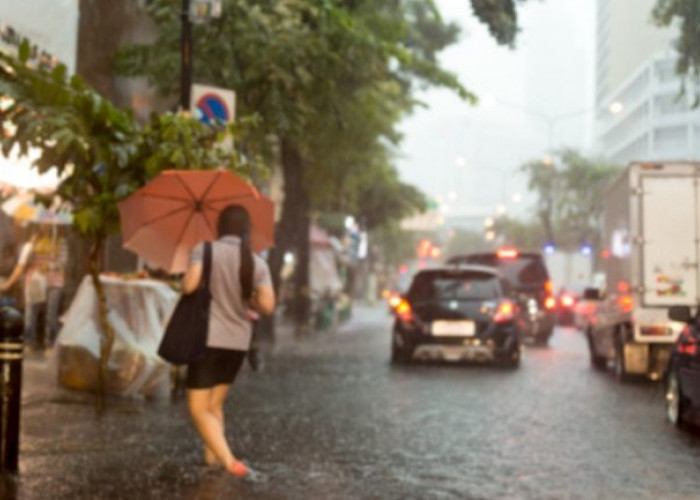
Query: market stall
{"points": [[138, 311]]}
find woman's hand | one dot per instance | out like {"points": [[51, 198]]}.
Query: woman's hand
{"points": [[263, 300], [192, 278]]}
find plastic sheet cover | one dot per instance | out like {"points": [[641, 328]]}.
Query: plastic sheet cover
{"points": [[138, 312]]}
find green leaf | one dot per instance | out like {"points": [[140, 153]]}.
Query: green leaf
{"points": [[24, 51]]}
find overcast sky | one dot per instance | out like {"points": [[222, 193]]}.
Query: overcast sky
{"points": [[469, 156]]}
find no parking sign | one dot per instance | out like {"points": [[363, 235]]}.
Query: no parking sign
{"points": [[212, 105]]}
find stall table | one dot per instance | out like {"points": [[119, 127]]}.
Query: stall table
{"points": [[138, 310]]}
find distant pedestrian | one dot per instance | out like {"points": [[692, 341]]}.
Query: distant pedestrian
{"points": [[240, 282]]}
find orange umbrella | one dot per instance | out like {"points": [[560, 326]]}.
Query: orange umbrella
{"points": [[164, 219]]}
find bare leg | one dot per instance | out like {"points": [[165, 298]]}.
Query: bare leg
{"points": [[208, 425], [217, 397]]}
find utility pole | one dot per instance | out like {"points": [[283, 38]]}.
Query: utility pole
{"points": [[185, 57]]}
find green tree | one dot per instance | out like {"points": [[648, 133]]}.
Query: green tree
{"points": [[686, 14], [99, 150], [584, 181], [544, 180], [570, 193], [501, 18], [305, 67]]}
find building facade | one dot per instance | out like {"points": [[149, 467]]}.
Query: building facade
{"points": [[635, 67], [50, 26]]}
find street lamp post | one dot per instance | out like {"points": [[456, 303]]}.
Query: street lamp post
{"points": [[548, 120], [185, 56], [615, 108]]}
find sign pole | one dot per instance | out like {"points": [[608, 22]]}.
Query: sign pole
{"points": [[185, 57]]}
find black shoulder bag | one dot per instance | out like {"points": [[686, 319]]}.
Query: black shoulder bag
{"points": [[185, 337]]}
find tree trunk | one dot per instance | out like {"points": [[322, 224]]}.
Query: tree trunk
{"points": [[288, 237], [77, 265], [107, 340], [547, 224], [294, 231]]}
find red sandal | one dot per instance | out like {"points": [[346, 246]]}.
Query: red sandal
{"points": [[238, 469]]}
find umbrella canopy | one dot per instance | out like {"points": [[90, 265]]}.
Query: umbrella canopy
{"points": [[163, 220]]}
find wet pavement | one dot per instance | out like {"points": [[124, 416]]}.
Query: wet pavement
{"points": [[330, 418]]}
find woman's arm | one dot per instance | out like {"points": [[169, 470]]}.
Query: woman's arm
{"points": [[21, 266], [192, 277], [16, 273], [263, 299]]}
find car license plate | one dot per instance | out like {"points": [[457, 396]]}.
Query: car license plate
{"points": [[456, 328]]}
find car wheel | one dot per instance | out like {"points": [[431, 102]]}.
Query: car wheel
{"points": [[674, 400], [399, 356], [513, 359], [509, 359], [597, 362]]}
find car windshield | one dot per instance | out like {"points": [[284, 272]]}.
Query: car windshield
{"points": [[461, 286], [524, 270]]}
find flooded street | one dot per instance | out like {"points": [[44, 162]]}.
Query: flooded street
{"points": [[330, 418]]}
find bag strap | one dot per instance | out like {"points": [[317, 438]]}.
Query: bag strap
{"points": [[206, 271]]}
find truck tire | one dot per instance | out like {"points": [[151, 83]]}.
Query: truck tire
{"points": [[542, 336], [619, 367], [675, 407], [597, 362]]}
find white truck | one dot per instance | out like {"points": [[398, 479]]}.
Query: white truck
{"points": [[651, 250]]}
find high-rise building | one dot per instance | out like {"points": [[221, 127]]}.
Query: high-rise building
{"points": [[50, 27], [636, 71]]}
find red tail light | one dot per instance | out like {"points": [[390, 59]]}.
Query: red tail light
{"points": [[625, 302], [505, 312], [404, 311], [688, 343], [567, 301], [507, 253], [550, 303]]}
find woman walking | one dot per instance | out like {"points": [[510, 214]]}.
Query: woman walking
{"points": [[240, 283]]}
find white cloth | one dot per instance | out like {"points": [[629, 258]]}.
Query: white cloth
{"points": [[138, 312]]}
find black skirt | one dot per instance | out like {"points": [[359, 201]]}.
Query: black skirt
{"points": [[219, 366]]}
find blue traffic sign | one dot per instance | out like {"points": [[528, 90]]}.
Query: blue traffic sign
{"points": [[213, 110]]}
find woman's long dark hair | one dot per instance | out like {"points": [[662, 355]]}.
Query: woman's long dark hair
{"points": [[234, 220]]}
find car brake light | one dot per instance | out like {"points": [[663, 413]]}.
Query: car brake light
{"points": [[625, 302], [505, 312], [394, 301], [507, 253], [404, 311], [550, 303], [548, 287], [567, 301], [688, 343]]}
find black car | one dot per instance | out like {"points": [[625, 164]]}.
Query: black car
{"points": [[683, 376], [529, 282], [456, 314]]}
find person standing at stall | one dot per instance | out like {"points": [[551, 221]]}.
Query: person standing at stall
{"points": [[240, 281]]}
